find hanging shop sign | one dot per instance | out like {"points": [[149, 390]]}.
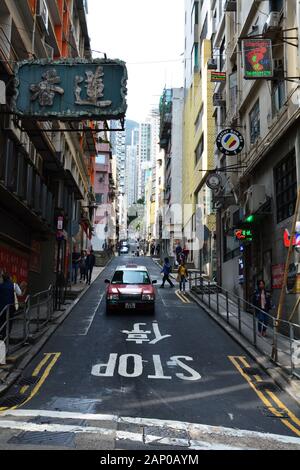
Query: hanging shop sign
{"points": [[258, 58], [213, 181], [71, 89], [217, 77], [296, 238], [230, 142], [244, 235]]}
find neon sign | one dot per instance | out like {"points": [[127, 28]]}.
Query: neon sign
{"points": [[287, 239], [243, 235]]}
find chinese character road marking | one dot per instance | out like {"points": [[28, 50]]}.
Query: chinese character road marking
{"points": [[140, 336]]}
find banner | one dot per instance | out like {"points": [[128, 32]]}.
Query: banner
{"points": [[258, 58]]}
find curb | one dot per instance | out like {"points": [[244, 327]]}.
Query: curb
{"points": [[284, 382], [15, 374]]}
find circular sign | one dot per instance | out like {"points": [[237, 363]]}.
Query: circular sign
{"points": [[213, 181], [230, 142]]}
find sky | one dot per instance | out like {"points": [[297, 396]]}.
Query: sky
{"points": [[149, 36]]}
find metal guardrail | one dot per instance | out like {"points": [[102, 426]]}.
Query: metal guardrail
{"points": [[282, 343], [18, 327]]}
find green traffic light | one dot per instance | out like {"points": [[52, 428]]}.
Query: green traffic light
{"points": [[250, 218]]}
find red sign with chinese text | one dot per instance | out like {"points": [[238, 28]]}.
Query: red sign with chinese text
{"points": [[14, 264]]}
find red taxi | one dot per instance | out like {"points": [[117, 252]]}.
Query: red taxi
{"points": [[130, 288]]}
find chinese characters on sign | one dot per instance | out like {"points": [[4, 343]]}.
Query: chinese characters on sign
{"points": [[16, 265], [258, 58], [71, 89], [244, 235]]}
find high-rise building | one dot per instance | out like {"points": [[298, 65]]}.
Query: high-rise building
{"points": [[199, 222]]}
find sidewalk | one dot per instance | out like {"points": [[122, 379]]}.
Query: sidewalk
{"points": [[19, 359], [242, 327]]}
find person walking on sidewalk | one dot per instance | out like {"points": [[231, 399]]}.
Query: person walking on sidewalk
{"points": [[263, 303], [82, 266], [166, 270], [8, 296], [89, 264], [182, 275]]}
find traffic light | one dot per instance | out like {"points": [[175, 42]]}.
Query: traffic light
{"points": [[250, 219]]}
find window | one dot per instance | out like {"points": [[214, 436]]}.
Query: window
{"points": [[199, 149], [99, 198], [278, 96], [254, 118], [285, 178], [276, 5], [100, 159]]}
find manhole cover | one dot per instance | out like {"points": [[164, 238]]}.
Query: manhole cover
{"points": [[63, 439], [13, 400]]}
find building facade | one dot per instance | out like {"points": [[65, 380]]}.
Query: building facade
{"points": [[199, 221], [46, 174], [261, 195]]}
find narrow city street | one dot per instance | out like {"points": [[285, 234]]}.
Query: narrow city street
{"points": [[178, 366]]}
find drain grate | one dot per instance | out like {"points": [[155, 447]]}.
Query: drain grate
{"points": [[28, 381], [251, 370], [46, 438], [268, 413], [266, 386], [12, 400]]}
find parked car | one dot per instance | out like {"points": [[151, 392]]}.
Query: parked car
{"points": [[130, 288]]}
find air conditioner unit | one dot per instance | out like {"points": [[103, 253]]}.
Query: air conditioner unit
{"points": [[212, 64], [272, 23], [256, 196], [43, 15]]}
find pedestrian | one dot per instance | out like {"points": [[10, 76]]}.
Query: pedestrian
{"points": [[82, 266], [166, 270], [263, 302], [90, 263], [158, 249], [182, 275], [178, 251], [8, 297], [75, 265], [152, 249], [185, 253]]}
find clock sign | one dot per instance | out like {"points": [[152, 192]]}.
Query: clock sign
{"points": [[230, 142]]}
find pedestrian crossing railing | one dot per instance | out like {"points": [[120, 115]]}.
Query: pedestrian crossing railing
{"points": [[20, 327], [277, 339]]}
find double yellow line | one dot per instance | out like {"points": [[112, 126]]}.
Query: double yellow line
{"points": [[49, 361], [270, 400], [182, 297]]}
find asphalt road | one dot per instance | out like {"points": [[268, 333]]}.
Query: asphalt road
{"points": [[178, 365]]}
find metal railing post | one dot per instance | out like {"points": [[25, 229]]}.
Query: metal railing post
{"points": [[218, 307], [227, 307], [292, 348], [209, 294], [7, 326], [239, 314], [254, 329]]}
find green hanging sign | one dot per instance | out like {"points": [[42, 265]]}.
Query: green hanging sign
{"points": [[71, 89]]}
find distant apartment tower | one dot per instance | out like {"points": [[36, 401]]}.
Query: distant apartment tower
{"points": [[144, 157]]}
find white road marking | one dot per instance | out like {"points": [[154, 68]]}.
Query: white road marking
{"points": [[87, 321], [157, 423]]}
